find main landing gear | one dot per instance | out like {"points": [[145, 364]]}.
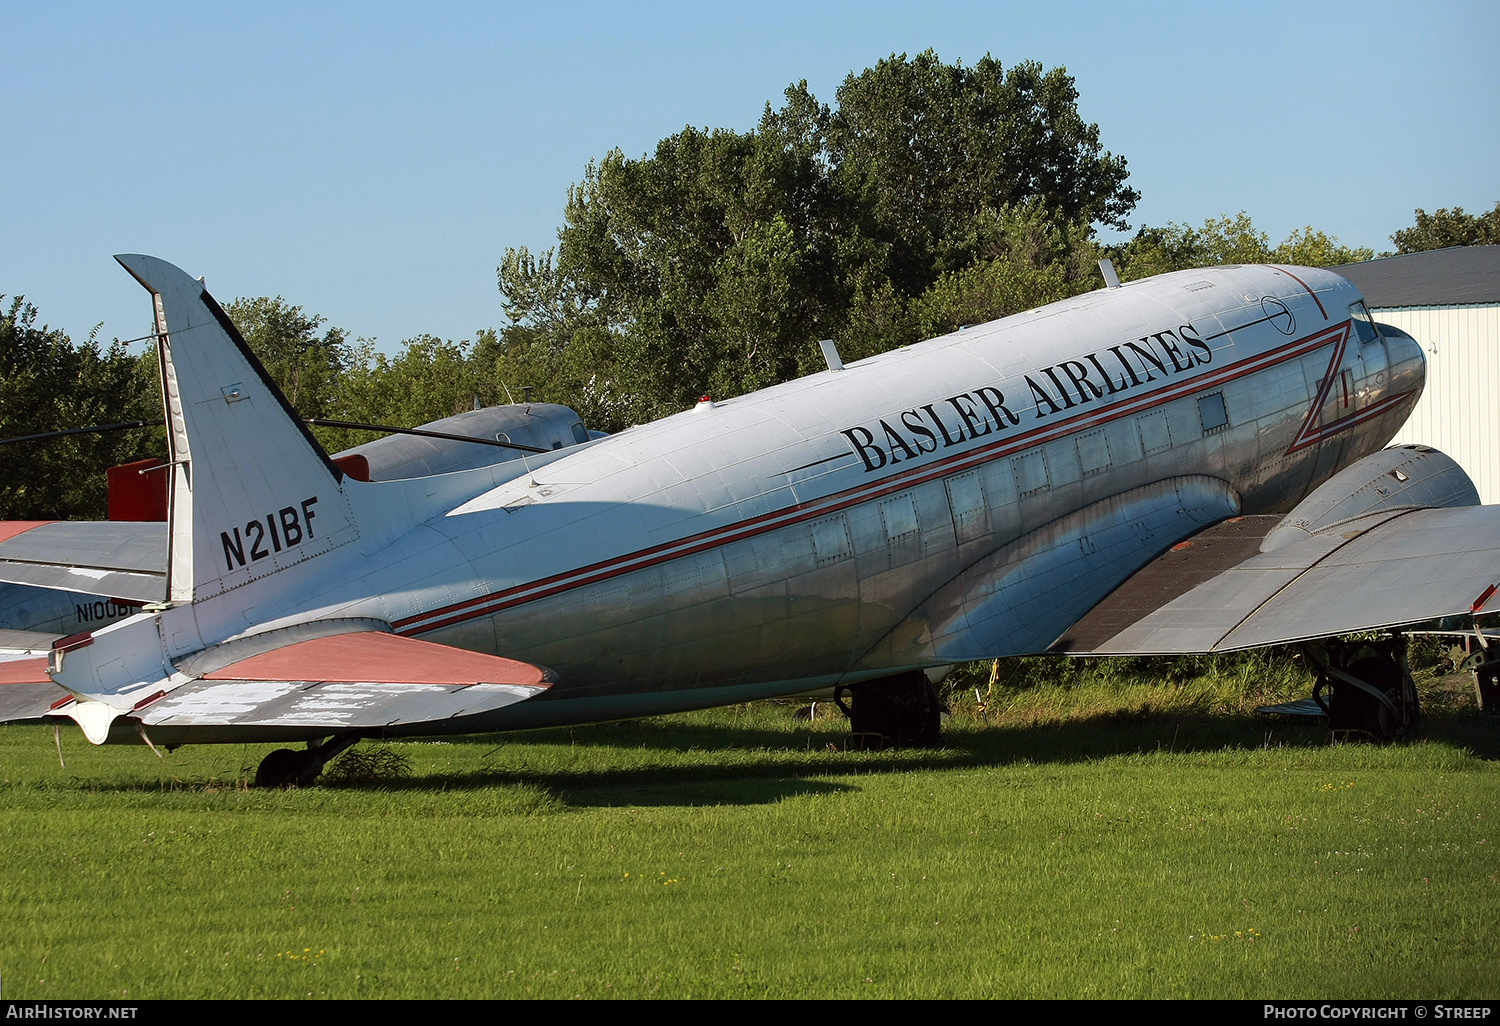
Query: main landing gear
{"points": [[903, 710], [1365, 688], [287, 767]]}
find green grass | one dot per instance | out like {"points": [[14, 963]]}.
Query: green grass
{"points": [[1091, 836]]}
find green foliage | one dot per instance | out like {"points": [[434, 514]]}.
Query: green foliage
{"points": [[558, 343], [47, 383], [1449, 228], [430, 378], [324, 375], [1227, 240], [932, 195], [925, 148], [1306, 247], [1030, 259], [305, 365], [366, 765], [701, 264]]}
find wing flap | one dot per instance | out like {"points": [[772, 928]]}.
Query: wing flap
{"points": [[1170, 575]]}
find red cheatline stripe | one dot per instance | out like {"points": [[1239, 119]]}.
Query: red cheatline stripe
{"points": [[958, 463], [1344, 424], [1306, 434]]}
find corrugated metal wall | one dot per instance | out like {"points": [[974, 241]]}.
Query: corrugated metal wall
{"points": [[1460, 411]]}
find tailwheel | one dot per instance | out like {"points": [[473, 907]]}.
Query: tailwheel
{"points": [[287, 767], [901, 710], [1366, 689]]}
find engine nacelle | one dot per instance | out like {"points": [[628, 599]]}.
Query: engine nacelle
{"points": [[1401, 477]]}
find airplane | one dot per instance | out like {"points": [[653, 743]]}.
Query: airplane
{"points": [[1187, 463], [485, 436]]}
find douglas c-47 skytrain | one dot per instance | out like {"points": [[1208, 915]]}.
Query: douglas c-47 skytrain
{"points": [[1189, 463]]}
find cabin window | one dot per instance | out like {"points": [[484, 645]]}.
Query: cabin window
{"points": [[1211, 412], [1155, 435], [830, 540], [1031, 472], [1364, 325], [580, 433], [1093, 452]]}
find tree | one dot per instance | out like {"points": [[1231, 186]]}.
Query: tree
{"points": [[47, 383], [1227, 240], [306, 366], [1449, 228], [429, 379], [929, 149], [715, 263], [1306, 247], [558, 344]]}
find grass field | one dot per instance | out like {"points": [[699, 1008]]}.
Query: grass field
{"points": [[1085, 837]]}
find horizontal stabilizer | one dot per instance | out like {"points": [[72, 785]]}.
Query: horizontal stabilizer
{"points": [[368, 681], [26, 692], [120, 559], [15, 644]]}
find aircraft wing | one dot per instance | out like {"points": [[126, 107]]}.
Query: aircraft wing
{"points": [[1397, 538], [121, 559], [1218, 592]]}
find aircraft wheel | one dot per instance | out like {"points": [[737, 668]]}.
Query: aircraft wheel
{"points": [[1354, 712], [287, 767], [903, 709]]}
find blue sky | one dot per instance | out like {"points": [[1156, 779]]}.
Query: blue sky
{"points": [[371, 162]]}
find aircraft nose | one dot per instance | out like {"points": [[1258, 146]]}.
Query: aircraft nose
{"points": [[1407, 362]]}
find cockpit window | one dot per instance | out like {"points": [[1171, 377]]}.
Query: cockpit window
{"points": [[1364, 327]]}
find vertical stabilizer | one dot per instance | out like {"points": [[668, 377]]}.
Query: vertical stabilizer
{"points": [[252, 492]]}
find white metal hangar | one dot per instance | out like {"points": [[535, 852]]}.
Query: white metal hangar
{"points": [[1449, 301]]}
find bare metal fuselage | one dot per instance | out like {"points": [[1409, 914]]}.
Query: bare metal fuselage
{"points": [[854, 523]]}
